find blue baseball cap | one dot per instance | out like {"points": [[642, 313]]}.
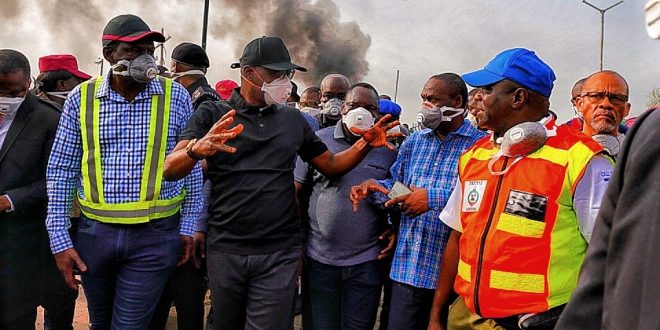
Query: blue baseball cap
{"points": [[387, 107], [519, 65]]}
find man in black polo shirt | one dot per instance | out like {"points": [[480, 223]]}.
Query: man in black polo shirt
{"points": [[254, 237]]}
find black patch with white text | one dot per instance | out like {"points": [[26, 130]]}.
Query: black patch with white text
{"points": [[526, 205]]}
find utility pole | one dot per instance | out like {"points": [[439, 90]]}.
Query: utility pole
{"points": [[396, 85], [161, 59], [602, 26], [100, 62], [206, 23]]}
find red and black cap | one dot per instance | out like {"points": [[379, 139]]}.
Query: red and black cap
{"points": [[269, 52], [129, 28]]}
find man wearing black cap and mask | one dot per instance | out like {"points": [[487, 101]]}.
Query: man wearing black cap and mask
{"points": [[254, 238], [189, 65], [187, 285], [110, 148]]}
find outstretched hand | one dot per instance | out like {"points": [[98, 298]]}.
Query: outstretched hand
{"points": [[214, 141], [377, 134]]}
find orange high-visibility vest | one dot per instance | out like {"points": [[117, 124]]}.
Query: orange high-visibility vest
{"points": [[521, 249]]}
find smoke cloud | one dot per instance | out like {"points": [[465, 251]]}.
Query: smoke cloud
{"points": [[313, 33]]}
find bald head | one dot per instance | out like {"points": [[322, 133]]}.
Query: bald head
{"points": [[577, 90], [608, 75], [334, 85]]}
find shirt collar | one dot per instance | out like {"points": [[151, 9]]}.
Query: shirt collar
{"points": [[153, 88], [238, 102], [197, 83], [465, 129], [339, 131]]}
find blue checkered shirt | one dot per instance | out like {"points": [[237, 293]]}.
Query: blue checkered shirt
{"points": [[124, 132], [426, 161]]}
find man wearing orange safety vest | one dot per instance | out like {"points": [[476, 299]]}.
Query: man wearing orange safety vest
{"points": [[523, 208]]}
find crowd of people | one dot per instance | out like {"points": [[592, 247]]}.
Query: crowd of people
{"points": [[148, 187]]}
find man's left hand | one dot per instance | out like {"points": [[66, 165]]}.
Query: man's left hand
{"points": [[412, 204], [377, 135], [186, 249]]}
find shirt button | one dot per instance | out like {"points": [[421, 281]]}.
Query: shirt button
{"points": [[128, 175], [261, 125]]}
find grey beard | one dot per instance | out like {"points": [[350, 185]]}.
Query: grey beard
{"points": [[603, 127]]}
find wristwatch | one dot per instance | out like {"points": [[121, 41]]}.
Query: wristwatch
{"points": [[190, 152]]}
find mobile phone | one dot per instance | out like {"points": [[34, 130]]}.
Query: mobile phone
{"points": [[398, 189]]}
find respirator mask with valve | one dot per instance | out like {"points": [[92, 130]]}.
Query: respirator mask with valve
{"points": [[521, 140]]}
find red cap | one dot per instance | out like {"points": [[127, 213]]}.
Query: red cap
{"points": [[61, 62], [225, 87]]}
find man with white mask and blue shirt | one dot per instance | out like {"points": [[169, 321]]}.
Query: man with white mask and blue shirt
{"points": [[342, 248], [254, 242], [427, 166]]}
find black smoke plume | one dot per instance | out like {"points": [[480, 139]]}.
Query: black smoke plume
{"points": [[313, 33]]}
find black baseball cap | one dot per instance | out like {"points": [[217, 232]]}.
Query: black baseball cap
{"points": [[129, 28], [190, 55], [269, 52]]}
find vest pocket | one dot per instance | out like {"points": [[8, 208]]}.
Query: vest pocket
{"points": [[518, 225]]}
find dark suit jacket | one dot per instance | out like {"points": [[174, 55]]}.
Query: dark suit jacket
{"points": [[619, 286], [24, 248]]}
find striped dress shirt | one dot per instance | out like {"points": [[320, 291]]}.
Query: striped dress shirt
{"points": [[124, 131], [426, 161]]}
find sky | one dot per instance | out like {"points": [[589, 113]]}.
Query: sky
{"points": [[418, 38]]}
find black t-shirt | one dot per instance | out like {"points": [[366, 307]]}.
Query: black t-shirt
{"points": [[252, 204]]}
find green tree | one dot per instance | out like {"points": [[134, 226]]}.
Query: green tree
{"points": [[654, 98]]}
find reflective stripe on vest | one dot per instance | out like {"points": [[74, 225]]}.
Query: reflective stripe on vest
{"points": [[521, 250], [149, 206]]}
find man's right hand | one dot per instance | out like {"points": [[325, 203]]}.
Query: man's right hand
{"points": [[199, 249], [365, 188], [66, 260], [214, 141]]}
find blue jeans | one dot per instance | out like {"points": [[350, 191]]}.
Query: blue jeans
{"points": [[410, 307], [127, 268], [344, 297]]}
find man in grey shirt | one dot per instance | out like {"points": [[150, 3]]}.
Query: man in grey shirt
{"points": [[342, 247]]}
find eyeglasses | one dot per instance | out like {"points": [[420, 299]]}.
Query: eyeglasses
{"points": [[615, 99], [284, 73], [281, 73]]}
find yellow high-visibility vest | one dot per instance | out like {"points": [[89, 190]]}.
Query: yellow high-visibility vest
{"points": [[148, 207]]}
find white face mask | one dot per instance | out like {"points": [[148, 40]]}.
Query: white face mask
{"points": [[331, 108], [177, 75], [312, 111], [521, 140], [9, 105], [61, 95], [431, 116], [277, 91], [142, 69], [358, 117]]}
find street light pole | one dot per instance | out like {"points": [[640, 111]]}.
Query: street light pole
{"points": [[205, 24], [602, 26]]}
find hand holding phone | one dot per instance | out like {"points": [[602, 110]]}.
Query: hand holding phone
{"points": [[398, 189]]}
